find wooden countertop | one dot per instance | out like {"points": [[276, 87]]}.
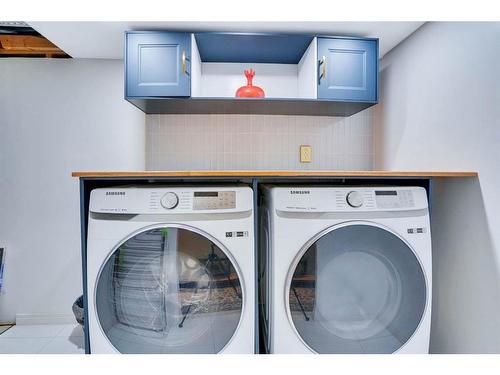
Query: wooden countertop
{"points": [[277, 173]]}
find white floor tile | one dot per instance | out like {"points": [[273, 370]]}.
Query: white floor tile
{"points": [[71, 330], [61, 345], [46, 339], [22, 345], [34, 331]]}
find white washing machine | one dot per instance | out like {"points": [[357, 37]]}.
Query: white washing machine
{"points": [[348, 270], [171, 270]]}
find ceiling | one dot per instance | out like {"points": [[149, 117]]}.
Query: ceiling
{"points": [[104, 40], [18, 39]]}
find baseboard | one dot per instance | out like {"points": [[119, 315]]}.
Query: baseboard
{"points": [[45, 319]]}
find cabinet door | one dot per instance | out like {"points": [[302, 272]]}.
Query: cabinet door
{"points": [[347, 69], [158, 64]]}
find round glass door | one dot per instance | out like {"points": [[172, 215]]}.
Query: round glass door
{"points": [[169, 290], [357, 289]]}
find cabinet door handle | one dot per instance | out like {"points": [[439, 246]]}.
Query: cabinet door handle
{"points": [[183, 58], [323, 70]]}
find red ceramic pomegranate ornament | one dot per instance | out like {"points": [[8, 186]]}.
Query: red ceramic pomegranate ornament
{"points": [[250, 91]]}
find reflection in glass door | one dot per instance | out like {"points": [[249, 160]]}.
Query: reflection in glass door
{"points": [[169, 290], [357, 289]]}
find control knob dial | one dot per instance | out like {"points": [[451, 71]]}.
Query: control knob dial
{"points": [[354, 199], [169, 200]]}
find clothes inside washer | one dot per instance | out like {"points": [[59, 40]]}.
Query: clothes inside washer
{"points": [[169, 290]]}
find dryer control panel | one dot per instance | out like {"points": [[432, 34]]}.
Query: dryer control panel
{"points": [[349, 199], [397, 198]]}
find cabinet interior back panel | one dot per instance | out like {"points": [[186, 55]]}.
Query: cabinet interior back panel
{"points": [[217, 142], [223, 79]]}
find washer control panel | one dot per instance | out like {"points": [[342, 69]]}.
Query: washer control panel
{"points": [[214, 200], [171, 200]]}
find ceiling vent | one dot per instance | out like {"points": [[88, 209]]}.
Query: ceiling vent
{"points": [[14, 24]]}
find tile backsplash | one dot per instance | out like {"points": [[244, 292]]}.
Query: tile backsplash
{"points": [[214, 142]]}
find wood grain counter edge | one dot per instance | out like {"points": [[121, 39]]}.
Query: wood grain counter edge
{"points": [[277, 173]]}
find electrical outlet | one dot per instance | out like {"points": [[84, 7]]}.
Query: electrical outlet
{"points": [[305, 154]]}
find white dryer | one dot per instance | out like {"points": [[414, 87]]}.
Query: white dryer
{"points": [[171, 270], [348, 269]]}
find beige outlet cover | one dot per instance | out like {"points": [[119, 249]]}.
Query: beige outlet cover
{"points": [[305, 154]]}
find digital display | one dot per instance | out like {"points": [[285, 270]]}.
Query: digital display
{"points": [[206, 193], [214, 200], [386, 192]]}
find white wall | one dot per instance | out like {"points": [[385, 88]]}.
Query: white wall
{"points": [[56, 116], [184, 142], [440, 110]]}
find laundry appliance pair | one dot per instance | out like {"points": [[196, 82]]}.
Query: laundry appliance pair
{"points": [[172, 269]]}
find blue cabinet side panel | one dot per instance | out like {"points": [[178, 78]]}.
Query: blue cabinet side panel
{"points": [[154, 64]]}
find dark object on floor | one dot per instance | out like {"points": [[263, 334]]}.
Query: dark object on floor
{"points": [[78, 310], [5, 327]]}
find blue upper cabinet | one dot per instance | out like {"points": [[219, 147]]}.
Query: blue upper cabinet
{"points": [[157, 64], [347, 69], [334, 76]]}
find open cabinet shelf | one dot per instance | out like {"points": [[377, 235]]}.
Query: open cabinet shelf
{"points": [[284, 71]]}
